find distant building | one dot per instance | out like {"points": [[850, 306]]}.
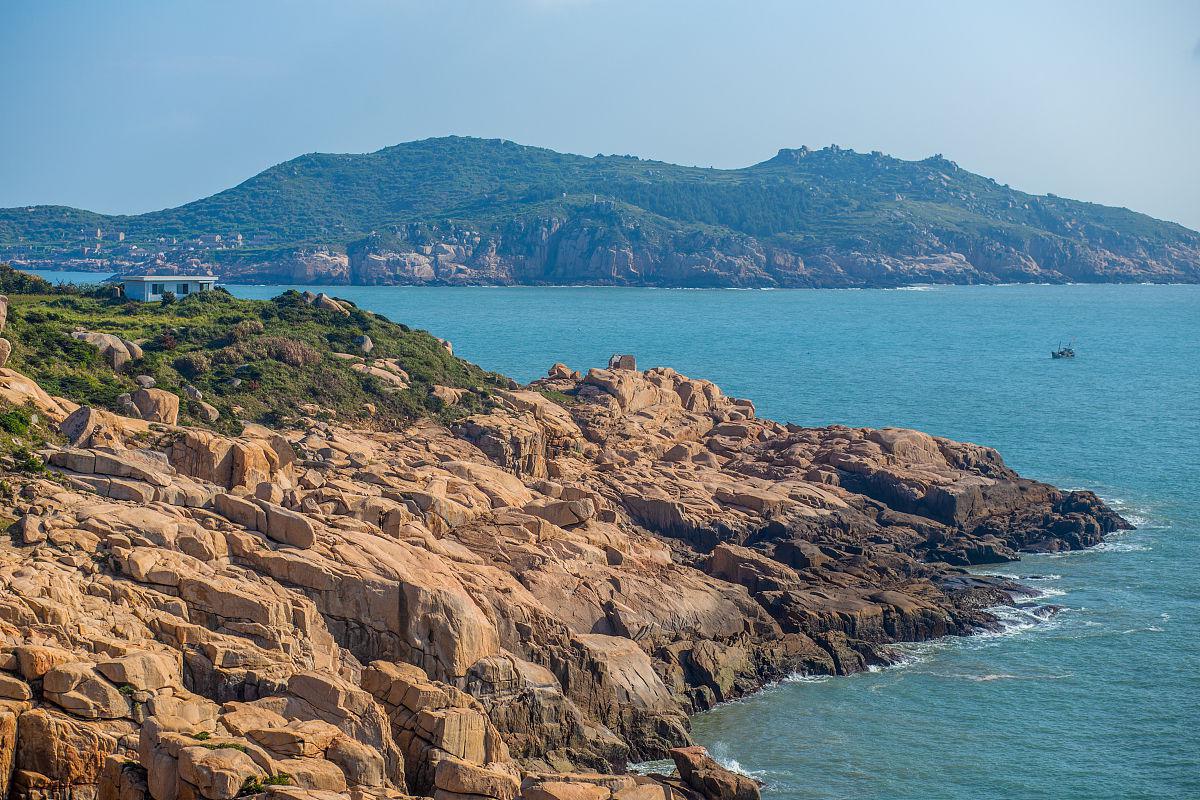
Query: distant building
{"points": [[153, 287]]}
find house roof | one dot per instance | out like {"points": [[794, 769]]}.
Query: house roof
{"points": [[185, 278]]}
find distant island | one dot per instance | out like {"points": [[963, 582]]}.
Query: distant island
{"points": [[461, 211]]}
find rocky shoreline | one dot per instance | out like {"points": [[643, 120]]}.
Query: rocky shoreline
{"points": [[518, 603]]}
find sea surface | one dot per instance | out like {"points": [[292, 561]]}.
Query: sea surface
{"points": [[1101, 700]]}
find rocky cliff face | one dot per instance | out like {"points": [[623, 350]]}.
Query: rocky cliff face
{"points": [[559, 251], [518, 605]]}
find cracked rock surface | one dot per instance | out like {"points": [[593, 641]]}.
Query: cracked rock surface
{"points": [[515, 606]]}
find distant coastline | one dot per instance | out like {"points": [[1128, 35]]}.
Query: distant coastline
{"points": [[461, 211]]}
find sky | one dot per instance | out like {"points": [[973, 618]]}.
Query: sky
{"points": [[130, 106]]}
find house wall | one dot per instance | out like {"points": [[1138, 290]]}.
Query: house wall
{"points": [[142, 290]]}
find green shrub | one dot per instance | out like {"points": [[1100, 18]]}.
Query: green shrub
{"points": [[15, 421], [289, 351], [193, 365], [245, 329], [28, 462], [252, 786]]}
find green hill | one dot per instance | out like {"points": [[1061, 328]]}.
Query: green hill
{"points": [[461, 210], [248, 360]]}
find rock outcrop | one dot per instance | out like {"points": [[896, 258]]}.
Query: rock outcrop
{"points": [[517, 606]]}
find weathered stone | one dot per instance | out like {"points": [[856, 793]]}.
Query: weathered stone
{"points": [[144, 670], [157, 405], [460, 777], [77, 688], [699, 771], [217, 774]]}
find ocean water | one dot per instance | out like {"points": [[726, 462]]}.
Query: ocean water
{"points": [[1102, 699]]}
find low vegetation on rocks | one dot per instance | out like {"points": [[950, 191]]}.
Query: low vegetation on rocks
{"points": [[250, 360], [478, 591]]}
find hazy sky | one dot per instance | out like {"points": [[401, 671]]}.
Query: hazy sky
{"points": [[131, 106]]}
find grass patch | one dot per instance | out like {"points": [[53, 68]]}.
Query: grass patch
{"points": [[254, 360], [253, 786], [561, 398], [23, 431]]}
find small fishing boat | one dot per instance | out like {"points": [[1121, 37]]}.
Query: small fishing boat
{"points": [[1063, 352]]}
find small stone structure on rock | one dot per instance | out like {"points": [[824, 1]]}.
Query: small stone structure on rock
{"points": [[625, 362]]}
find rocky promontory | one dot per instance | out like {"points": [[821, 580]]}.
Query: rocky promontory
{"points": [[517, 599]]}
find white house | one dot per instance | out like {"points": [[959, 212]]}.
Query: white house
{"points": [[153, 287]]}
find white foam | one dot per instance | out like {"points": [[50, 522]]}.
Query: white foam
{"points": [[663, 766], [720, 753], [1120, 547], [796, 677]]}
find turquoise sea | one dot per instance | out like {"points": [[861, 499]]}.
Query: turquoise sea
{"points": [[1100, 701]]}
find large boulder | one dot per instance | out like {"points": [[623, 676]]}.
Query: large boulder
{"points": [[217, 774], [54, 750], [78, 689], [117, 351], [92, 427], [143, 670], [703, 774], [157, 405], [231, 463], [19, 390], [454, 776]]}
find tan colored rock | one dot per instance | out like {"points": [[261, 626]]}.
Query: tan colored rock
{"points": [[288, 527], [314, 773], [699, 771], [447, 394], [76, 687], [217, 774], [88, 427], [241, 718], [144, 670], [60, 751], [309, 738], [114, 349], [34, 661], [12, 688], [459, 777], [324, 301], [157, 405], [18, 390], [5, 351], [363, 766], [8, 745], [564, 790], [231, 463], [563, 513], [207, 411]]}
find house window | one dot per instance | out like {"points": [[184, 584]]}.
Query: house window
{"points": [[156, 288], [181, 288]]}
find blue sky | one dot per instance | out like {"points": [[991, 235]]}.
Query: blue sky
{"points": [[131, 106]]}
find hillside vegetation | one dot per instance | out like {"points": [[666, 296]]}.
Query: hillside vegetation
{"points": [[461, 210], [252, 360]]}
